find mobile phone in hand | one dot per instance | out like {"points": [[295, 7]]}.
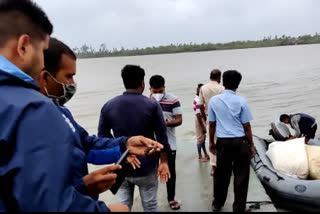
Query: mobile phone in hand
{"points": [[122, 173]]}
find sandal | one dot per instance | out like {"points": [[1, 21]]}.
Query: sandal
{"points": [[174, 205], [203, 160]]}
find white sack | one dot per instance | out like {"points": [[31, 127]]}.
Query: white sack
{"points": [[289, 157], [313, 153]]}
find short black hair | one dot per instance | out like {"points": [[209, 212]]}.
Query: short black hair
{"points": [[53, 55], [132, 76], [18, 17], [200, 85], [231, 79], [283, 117], [215, 74], [157, 81]]}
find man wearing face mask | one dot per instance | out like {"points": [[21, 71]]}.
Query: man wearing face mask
{"points": [[56, 82], [172, 113]]}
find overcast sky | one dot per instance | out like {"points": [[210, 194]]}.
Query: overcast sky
{"points": [[145, 23]]}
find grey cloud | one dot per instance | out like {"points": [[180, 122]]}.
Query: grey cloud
{"points": [[141, 23]]}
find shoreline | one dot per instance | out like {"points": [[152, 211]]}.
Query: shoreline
{"points": [[186, 52], [194, 187]]}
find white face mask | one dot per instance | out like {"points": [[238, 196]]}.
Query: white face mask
{"points": [[158, 97]]}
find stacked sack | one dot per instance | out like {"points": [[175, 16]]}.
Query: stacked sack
{"points": [[295, 158], [314, 161], [289, 157]]}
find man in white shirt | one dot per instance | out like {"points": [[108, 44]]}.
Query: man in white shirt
{"points": [[207, 91]]}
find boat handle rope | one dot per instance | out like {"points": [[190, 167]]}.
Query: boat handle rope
{"points": [[255, 168], [262, 164]]}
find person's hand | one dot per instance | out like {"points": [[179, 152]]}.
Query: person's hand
{"points": [[166, 121], [118, 208], [163, 172], [137, 145], [100, 180], [134, 161], [212, 148], [204, 131], [253, 151]]}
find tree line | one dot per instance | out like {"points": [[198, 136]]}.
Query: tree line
{"points": [[86, 51]]}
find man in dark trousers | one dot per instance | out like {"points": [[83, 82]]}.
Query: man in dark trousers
{"points": [[172, 113], [303, 125], [229, 120]]}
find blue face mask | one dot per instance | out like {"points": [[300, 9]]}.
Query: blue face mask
{"points": [[68, 91]]}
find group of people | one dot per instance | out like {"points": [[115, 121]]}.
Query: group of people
{"points": [[44, 152], [227, 118], [132, 114]]}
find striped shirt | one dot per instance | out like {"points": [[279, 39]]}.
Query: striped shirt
{"points": [[196, 106], [171, 106]]}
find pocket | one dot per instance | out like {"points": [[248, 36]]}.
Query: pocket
{"points": [[245, 148]]}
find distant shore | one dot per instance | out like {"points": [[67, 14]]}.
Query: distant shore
{"points": [[89, 52]]}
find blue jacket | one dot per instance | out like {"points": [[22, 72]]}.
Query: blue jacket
{"points": [[36, 150], [91, 149]]}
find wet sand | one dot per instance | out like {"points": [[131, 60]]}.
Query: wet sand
{"points": [[194, 187]]}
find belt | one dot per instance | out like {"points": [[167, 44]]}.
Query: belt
{"points": [[232, 138]]}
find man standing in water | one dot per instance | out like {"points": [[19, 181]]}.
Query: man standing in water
{"points": [[200, 126], [207, 91], [172, 113], [229, 118]]}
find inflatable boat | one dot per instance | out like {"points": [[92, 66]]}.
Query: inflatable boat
{"points": [[285, 191]]}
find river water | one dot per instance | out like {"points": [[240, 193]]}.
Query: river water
{"points": [[275, 80]]}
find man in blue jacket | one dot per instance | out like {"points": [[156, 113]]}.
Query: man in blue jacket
{"points": [[57, 82], [36, 143]]}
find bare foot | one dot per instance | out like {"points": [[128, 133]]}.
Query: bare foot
{"points": [[212, 170], [203, 160]]}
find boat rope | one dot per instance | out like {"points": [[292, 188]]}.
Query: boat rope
{"points": [[255, 168], [255, 205]]}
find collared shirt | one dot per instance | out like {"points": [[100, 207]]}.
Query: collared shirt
{"points": [[229, 111], [133, 114], [170, 107], [7, 66], [207, 91]]}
